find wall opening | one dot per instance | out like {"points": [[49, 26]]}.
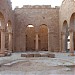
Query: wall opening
{"points": [[7, 35], [43, 38], [30, 38], [66, 35], [72, 26]]}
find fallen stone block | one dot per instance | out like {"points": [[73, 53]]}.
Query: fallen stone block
{"points": [[6, 52], [37, 55], [30, 55], [44, 55], [23, 55], [51, 55]]}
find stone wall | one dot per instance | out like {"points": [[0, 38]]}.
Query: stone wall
{"points": [[36, 15], [6, 10], [66, 10]]}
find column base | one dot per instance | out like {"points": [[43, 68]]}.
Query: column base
{"points": [[2, 54], [8, 53], [72, 54], [5, 53]]}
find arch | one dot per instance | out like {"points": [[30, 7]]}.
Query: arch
{"points": [[43, 25], [65, 26], [72, 27], [9, 26], [1, 20], [30, 25], [1, 16], [43, 37], [7, 35], [72, 20], [30, 37], [9, 22], [65, 39]]}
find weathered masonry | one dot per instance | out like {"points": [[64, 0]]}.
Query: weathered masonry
{"points": [[37, 27], [44, 35]]}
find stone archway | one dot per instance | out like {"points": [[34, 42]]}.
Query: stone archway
{"points": [[8, 36], [30, 38], [72, 33], [65, 35], [43, 38], [2, 33]]}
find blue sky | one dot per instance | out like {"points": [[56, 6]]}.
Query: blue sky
{"points": [[20, 3]]}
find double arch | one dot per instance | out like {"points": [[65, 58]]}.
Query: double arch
{"points": [[5, 31], [38, 38], [65, 36], [69, 31]]}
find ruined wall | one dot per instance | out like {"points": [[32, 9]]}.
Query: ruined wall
{"points": [[36, 15], [6, 10], [66, 10]]}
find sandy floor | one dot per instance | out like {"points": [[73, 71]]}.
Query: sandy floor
{"points": [[33, 67], [38, 66]]}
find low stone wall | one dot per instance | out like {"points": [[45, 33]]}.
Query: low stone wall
{"points": [[38, 55]]}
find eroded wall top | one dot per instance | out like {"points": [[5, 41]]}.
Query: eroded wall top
{"points": [[37, 7]]}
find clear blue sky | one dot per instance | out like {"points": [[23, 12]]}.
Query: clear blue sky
{"points": [[20, 3]]}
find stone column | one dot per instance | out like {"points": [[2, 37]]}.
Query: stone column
{"points": [[2, 40], [63, 42], [49, 41], [10, 41], [2, 29], [36, 41], [71, 44]]}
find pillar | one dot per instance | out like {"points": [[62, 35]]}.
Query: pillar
{"points": [[2, 40], [71, 44], [63, 42], [66, 41], [36, 41], [10, 41], [49, 41], [2, 29]]}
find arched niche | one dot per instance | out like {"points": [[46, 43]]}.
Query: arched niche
{"points": [[9, 26], [72, 27], [43, 37], [7, 35], [30, 37], [72, 20], [66, 35]]}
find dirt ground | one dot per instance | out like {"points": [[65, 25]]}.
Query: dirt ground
{"points": [[62, 64], [36, 68]]}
